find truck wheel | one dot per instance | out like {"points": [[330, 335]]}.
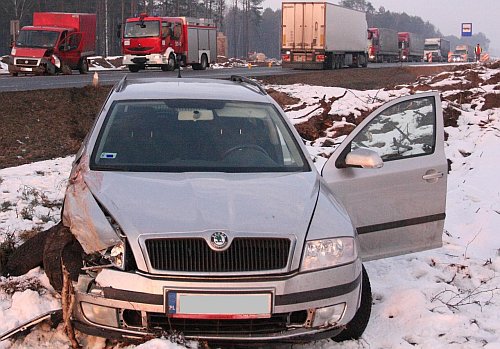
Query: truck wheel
{"points": [[357, 326], [61, 247], [204, 62], [66, 70], [14, 74], [202, 65], [171, 64], [133, 68], [83, 67]]}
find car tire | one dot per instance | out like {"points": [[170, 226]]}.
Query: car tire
{"points": [[355, 328], [83, 67], [133, 68], [61, 247]]}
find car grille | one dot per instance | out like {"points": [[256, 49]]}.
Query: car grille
{"points": [[194, 255], [277, 323], [26, 62], [139, 49]]}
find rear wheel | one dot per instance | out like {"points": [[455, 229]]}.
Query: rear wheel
{"points": [[357, 326], [134, 68], [204, 62]]}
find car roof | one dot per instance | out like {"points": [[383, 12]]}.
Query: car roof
{"points": [[188, 88]]}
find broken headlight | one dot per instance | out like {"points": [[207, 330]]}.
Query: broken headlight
{"points": [[113, 256]]}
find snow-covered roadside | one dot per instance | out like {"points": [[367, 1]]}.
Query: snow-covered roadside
{"points": [[444, 298]]}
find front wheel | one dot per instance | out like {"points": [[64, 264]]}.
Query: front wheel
{"points": [[170, 66], [83, 67], [133, 68], [355, 328]]}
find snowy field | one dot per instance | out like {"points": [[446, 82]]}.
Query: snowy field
{"points": [[443, 298]]}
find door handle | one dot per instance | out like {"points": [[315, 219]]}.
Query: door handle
{"points": [[432, 176]]}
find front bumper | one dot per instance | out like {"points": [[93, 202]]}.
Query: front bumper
{"points": [[137, 304], [30, 65], [154, 59]]}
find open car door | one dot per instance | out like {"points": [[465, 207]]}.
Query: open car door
{"points": [[390, 173]]}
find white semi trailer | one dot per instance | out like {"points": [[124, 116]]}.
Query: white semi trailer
{"points": [[320, 35]]}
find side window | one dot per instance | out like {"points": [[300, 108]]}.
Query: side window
{"points": [[177, 31], [403, 130], [165, 29]]}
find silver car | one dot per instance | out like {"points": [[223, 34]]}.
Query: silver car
{"points": [[198, 210]]}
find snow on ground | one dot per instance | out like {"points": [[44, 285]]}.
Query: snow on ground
{"points": [[443, 298]]}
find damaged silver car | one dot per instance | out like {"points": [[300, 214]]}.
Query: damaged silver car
{"points": [[195, 208]]}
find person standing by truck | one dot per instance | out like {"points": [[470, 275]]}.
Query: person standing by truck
{"points": [[478, 50]]}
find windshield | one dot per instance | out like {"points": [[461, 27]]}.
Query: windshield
{"points": [[37, 38], [196, 135], [142, 29], [430, 47]]}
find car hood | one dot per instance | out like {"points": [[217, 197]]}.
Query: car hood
{"points": [[30, 52], [143, 203]]}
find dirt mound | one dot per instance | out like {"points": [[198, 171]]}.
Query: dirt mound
{"points": [[45, 124], [282, 98], [491, 100]]}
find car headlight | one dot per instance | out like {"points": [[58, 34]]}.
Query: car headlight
{"points": [[113, 256], [327, 253]]}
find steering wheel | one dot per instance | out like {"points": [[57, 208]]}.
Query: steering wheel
{"points": [[245, 146]]}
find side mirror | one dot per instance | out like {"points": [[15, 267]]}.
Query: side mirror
{"points": [[365, 158]]}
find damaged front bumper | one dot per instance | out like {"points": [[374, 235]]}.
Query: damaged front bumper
{"points": [[303, 306], [37, 66]]}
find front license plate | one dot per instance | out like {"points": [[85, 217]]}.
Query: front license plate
{"points": [[218, 306], [26, 69]]}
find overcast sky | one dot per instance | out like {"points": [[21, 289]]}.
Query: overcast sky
{"points": [[446, 15]]}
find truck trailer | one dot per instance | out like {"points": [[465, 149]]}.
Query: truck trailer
{"points": [[167, 42], [55, 43], [382, 45], [411, 46], [321, 35], [436, 50]]}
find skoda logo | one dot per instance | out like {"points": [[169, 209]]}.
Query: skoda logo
{"points": [[218, 240], [26, 62]]}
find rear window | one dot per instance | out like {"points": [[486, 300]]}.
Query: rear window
{"points": [[196, 135]]}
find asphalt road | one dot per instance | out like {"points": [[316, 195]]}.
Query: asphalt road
{"points": [[25, 83], [107, 77]]}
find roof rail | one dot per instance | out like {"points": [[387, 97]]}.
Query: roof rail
{"points": [[120, 86], [244, 79]]}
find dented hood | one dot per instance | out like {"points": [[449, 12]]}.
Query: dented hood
{"points": [[30, 52], [144, 203]]}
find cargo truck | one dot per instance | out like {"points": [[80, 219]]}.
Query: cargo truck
{"points": [[463, 53], [436, 50], [411, 46], [55, 43], [167, 42], [321, 35], [382, 45]]}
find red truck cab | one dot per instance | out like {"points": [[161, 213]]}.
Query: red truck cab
{"points": [[167, 41], [55, 43]]}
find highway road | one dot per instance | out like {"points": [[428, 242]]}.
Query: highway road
{"points": [[109, 77]]}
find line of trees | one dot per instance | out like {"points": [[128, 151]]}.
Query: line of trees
{"points": [[246, 25]]}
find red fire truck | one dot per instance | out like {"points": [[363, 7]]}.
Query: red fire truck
{"points": [[166, 42], [55, 43]]}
